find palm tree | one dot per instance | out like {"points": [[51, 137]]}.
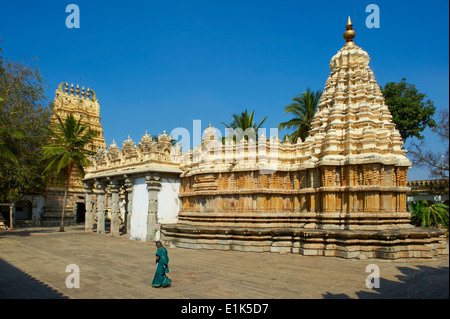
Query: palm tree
{"points": [[424, 214], [303, 109], [241, 123], [67, 151]]}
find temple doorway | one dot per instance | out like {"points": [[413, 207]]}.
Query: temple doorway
{"points": [[23, 210], [81, 212]]}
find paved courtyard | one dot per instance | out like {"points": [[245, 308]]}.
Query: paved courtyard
{"points": [[33, 264]]}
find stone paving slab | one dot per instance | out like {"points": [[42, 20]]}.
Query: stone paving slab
{"points": [[33, 264]]}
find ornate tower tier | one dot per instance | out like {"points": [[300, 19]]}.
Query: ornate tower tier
{"points": [[353, 125], [80, 103]]}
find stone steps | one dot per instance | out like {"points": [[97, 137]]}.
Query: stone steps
{"points": [[53, 217]]}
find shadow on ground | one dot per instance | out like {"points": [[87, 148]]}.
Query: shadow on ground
{"points": [[409, 285], [29, 231], [17, 284], [24, 232]]}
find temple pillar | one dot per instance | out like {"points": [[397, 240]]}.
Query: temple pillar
{"points": [[89, 219], [153, 182], [114, 205], [129, 205], [101, 194]]}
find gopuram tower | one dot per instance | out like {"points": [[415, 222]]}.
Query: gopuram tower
{"points": [[80, 103], [341, 192]]}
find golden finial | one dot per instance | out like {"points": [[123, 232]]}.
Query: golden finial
{"points": [[349, 34]]}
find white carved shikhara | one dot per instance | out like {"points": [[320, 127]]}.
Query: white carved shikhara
{"points": [[341, 192]]}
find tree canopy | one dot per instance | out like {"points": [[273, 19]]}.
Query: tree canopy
{"points": [[410, 109], [24, 111], [8, 133]]}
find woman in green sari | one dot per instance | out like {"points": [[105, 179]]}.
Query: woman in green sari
{"points": [[162, 261]]}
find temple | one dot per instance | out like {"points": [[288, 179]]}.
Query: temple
{"points": [[342, 192], [81, 103], [136, 188]]}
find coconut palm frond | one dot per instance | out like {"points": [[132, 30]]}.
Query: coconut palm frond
{"points": [[303, 110]]}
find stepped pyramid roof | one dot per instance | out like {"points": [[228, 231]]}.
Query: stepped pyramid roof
{"points": [[353, 124]]}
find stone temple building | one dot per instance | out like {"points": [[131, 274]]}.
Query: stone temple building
{"points": [[342, 192], [137, 187], [81, 103]]}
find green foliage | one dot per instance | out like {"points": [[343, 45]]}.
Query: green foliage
{"points": [[410, 111], [303, 110], [244, 126], [424, 214], [68, 151], [5, 131], [24, 111]]}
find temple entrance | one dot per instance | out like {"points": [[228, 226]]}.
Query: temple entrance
{"points": [[81, 212], [23, 210]]}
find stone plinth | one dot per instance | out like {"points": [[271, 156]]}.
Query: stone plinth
{"points": [[385, 244]]}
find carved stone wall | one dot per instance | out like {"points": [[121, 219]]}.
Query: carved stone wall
{"points": [[364, 196]]}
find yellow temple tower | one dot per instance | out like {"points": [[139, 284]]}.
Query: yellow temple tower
{"points": [[80, 103]]}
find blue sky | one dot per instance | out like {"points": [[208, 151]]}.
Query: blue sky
{"points": [[159, 65]]}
